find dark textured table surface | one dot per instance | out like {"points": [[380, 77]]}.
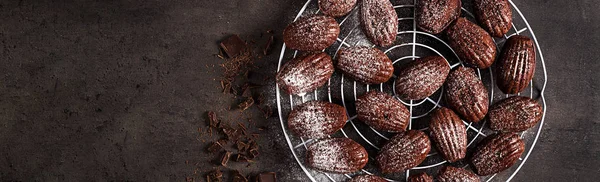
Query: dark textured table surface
{"points": [[115, 90]]}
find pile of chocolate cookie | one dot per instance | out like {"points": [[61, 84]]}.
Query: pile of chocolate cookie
{"points": [[466, 97]]}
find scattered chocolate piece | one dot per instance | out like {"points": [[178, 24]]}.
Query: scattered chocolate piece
{"points": [[213, 121], [225, 158], [267, 48], [238, 177], [246, 91], [233, 45], [215, 176], [246, 104], [253, 153], [232, 134], [241, 146], [241, 158], [222, 141], [267, 111], [215, 147], [267, 177]]}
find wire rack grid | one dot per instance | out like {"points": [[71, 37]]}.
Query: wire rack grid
{"points": [[410, 44]]}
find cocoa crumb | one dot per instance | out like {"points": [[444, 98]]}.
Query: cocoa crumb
{"points": [[268, 46], [225, 158], [214, 147], [213, 121], [215, 176], [238, 177], [246, 104]]}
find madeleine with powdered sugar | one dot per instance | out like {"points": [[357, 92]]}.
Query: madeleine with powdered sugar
{"points": [[317, 119], [337, 155], [365, 65]]}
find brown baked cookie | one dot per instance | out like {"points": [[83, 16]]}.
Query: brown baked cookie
{"points": [[434, 16], [367, 178], [382, 112], [365, 65], [515, 114], [454, 174], [379, 21], [311, 33], [495, 16], [497, 153], [403, 151], [337, 155], [421, 177], [472, 44], [516, 65], [336, 8], [317, 119], [465, 94], [449, 133], [304, 74], [421, 78]]}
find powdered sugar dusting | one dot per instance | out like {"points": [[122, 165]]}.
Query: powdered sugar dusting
{"points": [[304, 74], [313, 33], [366, 65], [515, 114], [317, 119], [422, 78], [382, 112], [341, 155], [336, 8], [404, 151], [379, 21], [434, 16]]}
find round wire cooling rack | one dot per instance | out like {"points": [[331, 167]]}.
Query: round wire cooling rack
{"points": [[409, 45]]}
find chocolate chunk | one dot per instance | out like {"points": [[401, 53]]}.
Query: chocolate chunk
{"points": [[246, 104], [246, 91], [213, 121], [233, 45], [215, 147], [215, 176], [241, 146], [222, 142], [241, 158], [267, 48], [266, 177], [253, 153], [238, 177], [232, 134], [225, 158]]}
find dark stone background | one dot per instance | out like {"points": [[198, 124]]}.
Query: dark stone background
{"points": [[116, 90]]}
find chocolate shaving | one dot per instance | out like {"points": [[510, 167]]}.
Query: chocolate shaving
{"points": [[222, 142], [213, 121], [241, 146], [215, 176], [214, 147], [241, 158], [238, 177], [232, 134], [246, 104], [267, 48], [253, 153], [233, 45], [225, 158], [246, 91], [234, 67]]}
